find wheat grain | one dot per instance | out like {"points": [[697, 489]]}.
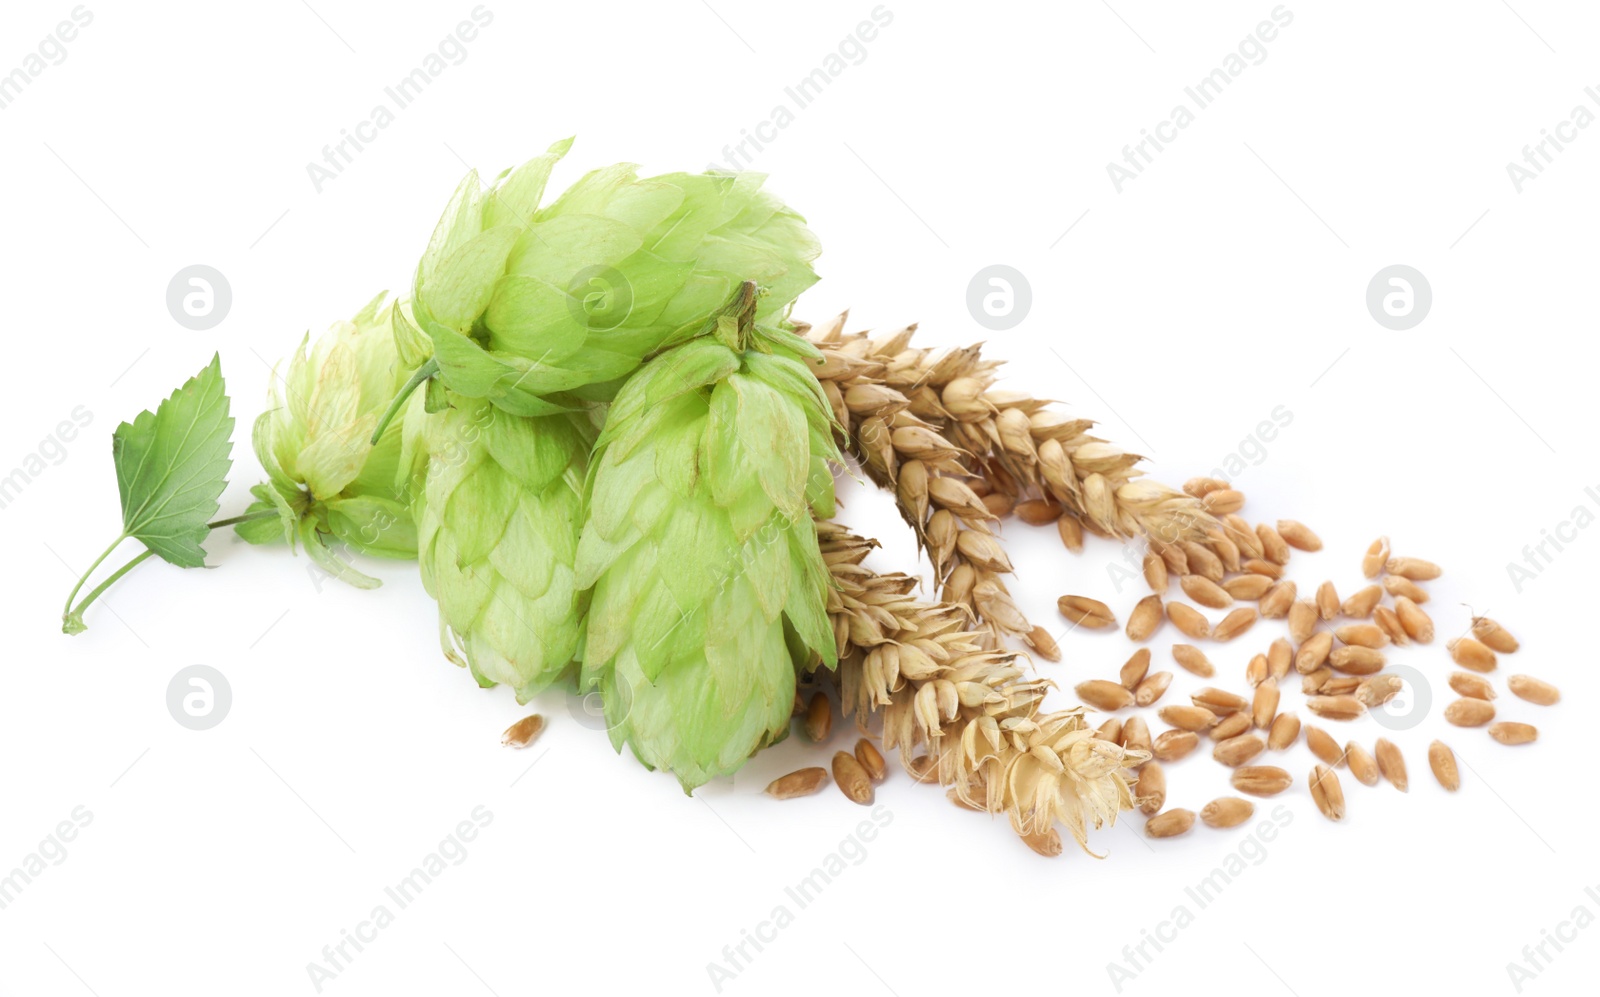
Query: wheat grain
{"points": [[1261, 780], [1237, 750], [1243, 535], [818, 723], [1391, 763], [1355, 659], [1202, 561], [851, 778], [1084, 611], [1389, 621], [1152, 688], [1169, 824], [1326, 792], [1145, 618], [1510, 732], [1193, 660], [1413, 568], [524, 732], [1136, 736], [1469, 712], [1418, 624], [1264, 705], [1303, 618], [1103, 695], [1285, 731], [1201, 487], [1150, 792], [800, 783], [1443, 762], [1231, 725], [1276, 603], [1378, 690], [1323, 745], [1235, 623], [1155, 572], [1533, 690], [1247, 587], [1336, 707], [1173, 745], [1299, 535], [1377, 556], [1273, 546], [1219, 701], [1188, 620], [1223, 501], [1262, 566], [1361, 763], [1190, 718], [1226, 812], [1368, 635], [1280, 658], [1493, 635], [1327, 601], [1038, 512], [1313, 654], [1135, 668], [1070, 530], [1473, 686], [1046, 842], [1468, 653], [1361, 604], [1205, 591], [1397, 587]]}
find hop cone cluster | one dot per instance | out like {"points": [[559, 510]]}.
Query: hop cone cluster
{"points": [[709, 590], [540, 308], [326, 478]]}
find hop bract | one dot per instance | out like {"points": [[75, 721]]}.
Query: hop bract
{"points": [[539, 308], [497, 524], [333, 488], [709, 590]]}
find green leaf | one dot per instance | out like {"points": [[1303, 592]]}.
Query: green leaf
{"points": [[173, 464]]}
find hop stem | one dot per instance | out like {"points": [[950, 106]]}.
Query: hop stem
{"points": [[72, 617], [424, 372]]}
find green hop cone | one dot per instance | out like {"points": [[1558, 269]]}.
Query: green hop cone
{"points": [[497, 524], [541, 308], [708, 588], [330, 484]]}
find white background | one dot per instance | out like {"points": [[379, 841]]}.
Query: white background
{"points": [[1225, 281]]}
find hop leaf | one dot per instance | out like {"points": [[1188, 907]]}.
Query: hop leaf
{"points": [[172, 465]]}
